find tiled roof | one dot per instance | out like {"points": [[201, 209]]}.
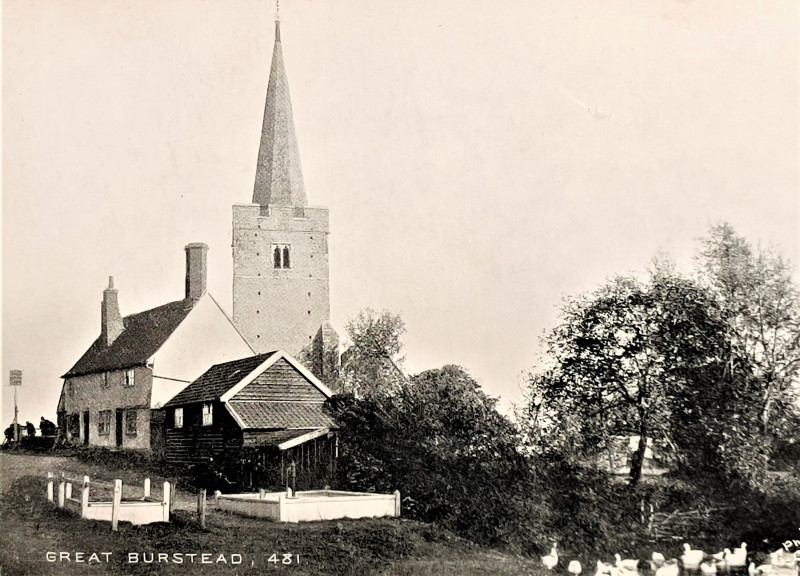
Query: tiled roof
{"points": [[273, 437], [280, 414], [144, 334], [217, 380]]}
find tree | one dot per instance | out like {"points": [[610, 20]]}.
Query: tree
{"points": [[618, 359], [371, 364], [761, 307], [440, 440]]}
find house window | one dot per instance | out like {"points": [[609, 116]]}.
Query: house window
{"points": [[178, 418], [129, 378], [104, 424], [208, 417], [105, 379], [280, 256], [130, 422]]}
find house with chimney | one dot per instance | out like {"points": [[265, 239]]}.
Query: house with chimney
{"points": [[113, 395]]}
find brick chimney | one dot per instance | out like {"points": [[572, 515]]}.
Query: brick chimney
{"points": [[111, 324], [196, 269]]}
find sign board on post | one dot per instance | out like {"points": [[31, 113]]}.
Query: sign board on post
{"points": [[15, 378]]}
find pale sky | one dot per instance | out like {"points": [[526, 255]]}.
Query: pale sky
{"points": [[480, 160]]}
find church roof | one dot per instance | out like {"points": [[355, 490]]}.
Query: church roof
{"points": [[144, 334], [279, 177]]}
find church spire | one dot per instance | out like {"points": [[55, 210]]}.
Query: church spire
{"points": [[279, 178]]}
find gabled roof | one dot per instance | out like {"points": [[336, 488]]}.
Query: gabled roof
{"points": [[144, 334], [218, 379]]}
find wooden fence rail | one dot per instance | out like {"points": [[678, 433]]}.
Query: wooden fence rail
{"points": [[139, 511]]}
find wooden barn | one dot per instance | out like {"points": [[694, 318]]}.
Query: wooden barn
{"points": [[242, 424]]}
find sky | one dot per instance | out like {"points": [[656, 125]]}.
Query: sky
{"points": [[480, 160]]}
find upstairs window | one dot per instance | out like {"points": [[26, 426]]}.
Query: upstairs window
{"points": [[129, 378], [105, 379], [208, 417], [280, 256], [178, 418]]}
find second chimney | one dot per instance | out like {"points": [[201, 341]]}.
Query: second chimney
{"points": [[196, 269], [111, 324]]}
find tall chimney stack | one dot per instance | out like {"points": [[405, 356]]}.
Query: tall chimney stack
{"points": [[111, 324], [196, 270]]}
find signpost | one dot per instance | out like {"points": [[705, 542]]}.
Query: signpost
{"points": [[15, 379]]}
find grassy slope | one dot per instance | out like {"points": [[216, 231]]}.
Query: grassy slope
{"points": [[31, 527]]}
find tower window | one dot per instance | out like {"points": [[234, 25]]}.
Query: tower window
{"points": [[280, 256]]}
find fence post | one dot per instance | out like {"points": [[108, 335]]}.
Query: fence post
{"points": [[397, 503], [85, 497], [115, 505], [62, 487], [261, 493], [201, 507], [50, 486], [166, 500], [173, 489], [69, 490], [147, 488]]}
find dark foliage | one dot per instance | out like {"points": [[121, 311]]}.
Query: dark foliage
{"points": [[454, 458]]}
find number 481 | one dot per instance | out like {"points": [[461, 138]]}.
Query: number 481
{"points": [[287, 558]]}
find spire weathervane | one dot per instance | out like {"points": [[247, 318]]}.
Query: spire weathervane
{"points": [[277, 20]]}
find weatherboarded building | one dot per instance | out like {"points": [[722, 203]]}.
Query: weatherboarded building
{"points": [[112, 394], [250, 419]]}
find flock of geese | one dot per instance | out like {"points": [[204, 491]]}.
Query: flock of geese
{"points": [[780, 563]]}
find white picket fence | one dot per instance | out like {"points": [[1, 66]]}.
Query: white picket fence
{"points": [[138, 511]]}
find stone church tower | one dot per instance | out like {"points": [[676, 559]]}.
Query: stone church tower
{"points": [[280, 244]]}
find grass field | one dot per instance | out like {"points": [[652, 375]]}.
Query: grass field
{"points": [[32, 528]]}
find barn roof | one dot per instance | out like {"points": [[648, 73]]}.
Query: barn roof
{"points": [[143, 335], [266, 415], [218, 379], [283, 439]]}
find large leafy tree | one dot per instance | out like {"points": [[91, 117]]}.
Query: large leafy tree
{"points": [[372, 362], [760, 305], [617, 362], [442, 443]]}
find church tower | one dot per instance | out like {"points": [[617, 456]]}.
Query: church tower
{"points": [[280, 244]]}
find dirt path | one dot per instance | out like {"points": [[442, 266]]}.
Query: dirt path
{"points": [[16, 465]]}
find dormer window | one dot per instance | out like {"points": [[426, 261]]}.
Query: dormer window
{"points": [[280, 256]]}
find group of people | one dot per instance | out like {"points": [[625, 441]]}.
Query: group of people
{"points": [[46, 428]]}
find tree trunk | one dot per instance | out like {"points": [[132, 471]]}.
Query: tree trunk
{"points": [[637, 460]]}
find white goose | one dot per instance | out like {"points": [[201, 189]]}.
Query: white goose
{"points": [[737, 558], [657, 560], [754, 570], [551, 559], [574, 567], [627, 564], [691, 558], [602, 568], [708, 567], [670, 568]]}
